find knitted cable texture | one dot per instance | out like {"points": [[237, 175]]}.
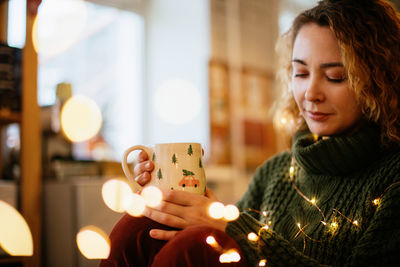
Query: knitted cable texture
{"points": [[344, 174]]}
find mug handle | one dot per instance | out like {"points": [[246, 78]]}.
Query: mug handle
{"points": [[125, 167]]}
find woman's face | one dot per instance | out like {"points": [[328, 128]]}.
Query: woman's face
{"points": [[320, 85]]}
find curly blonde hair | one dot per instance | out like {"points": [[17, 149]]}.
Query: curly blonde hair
{"points": [[368, 33]]}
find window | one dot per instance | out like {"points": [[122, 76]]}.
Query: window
{"points": [[98, 50]]}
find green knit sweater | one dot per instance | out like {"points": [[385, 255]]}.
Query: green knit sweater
{"points": [[343, 227]]}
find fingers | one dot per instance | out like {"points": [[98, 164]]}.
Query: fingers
{"points": [[162, 234], [144, 166], [164, 218], [142, 156], [182, 198], [211, 195], [143, 178]]}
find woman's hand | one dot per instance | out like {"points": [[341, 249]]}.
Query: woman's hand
{"points": [[143, 169], [180, 209]]}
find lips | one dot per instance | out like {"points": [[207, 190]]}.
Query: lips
{"points": [[317, 116]]}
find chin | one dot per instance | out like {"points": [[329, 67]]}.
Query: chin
{"points": [[323, 131]]}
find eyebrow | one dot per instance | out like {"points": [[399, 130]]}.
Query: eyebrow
{"points": [[322, 66]]}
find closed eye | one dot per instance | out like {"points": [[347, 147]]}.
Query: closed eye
{"points": [[300, 75], [339, 80]]}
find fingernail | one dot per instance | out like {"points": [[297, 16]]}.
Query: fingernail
{"points": [[148, 165], [153, 233]]}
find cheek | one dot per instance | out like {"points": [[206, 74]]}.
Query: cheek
{"points": [[298, 94], [348, 106]]}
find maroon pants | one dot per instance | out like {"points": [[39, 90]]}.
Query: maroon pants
{"points": [[131, 245]]}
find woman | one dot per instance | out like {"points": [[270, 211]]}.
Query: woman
{"points": [[334, 198]]}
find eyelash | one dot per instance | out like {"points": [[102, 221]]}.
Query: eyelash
{"points": [[329, 79]]}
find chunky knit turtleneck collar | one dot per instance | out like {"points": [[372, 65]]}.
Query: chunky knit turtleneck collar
{"points": [[336, 155]]}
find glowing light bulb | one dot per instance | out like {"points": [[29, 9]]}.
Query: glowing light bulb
{"points": [[376, 201], [313, 201], [291, 170], [116, 194], [264, 213], [265, 227], [283, 120], [152, 196], [231, 212], [93, 242], [355, 222], [262, 262], [216, 210], [211, 241], [230, 256], [253, 237], [15, 235], [80, 118]]}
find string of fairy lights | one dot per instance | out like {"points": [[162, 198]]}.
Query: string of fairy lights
{"points": [[119, 197], [333, 225]]}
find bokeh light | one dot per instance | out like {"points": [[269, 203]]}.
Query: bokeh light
{"points": [[177, 101], [58, 26], [116, 195], [252, 237], [15, 235], [93, 242], [262, 262], [216, 210], [152, 196], [136, 205], [211, 240], [80, 118], [230, 256], [231, 212]]}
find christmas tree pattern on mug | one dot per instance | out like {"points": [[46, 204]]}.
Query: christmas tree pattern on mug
{"points": [[190, 150], [174, 159], [159, 174], [188, 179]]}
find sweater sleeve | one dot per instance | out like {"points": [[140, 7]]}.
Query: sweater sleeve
{"points": [[270, 246]]}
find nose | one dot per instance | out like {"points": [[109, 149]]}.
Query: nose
{"points": [[314, 93]]}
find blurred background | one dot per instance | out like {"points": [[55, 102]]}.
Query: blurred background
{"points": [[146, 72]]}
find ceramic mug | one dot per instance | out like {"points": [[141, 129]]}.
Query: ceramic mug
{"points": [[177, 166]]}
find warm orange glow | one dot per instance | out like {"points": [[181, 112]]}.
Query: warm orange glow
{"points": [[376, 201], [80, 118], [262, 262], [230, 256], [93, 242], [211, 241], [216, 210], [252, 237], [136, 205], [231, 212], [152, 196], [15, 235], [116, 194]]}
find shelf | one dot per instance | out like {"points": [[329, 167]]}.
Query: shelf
{"points": [[7, 117]]}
